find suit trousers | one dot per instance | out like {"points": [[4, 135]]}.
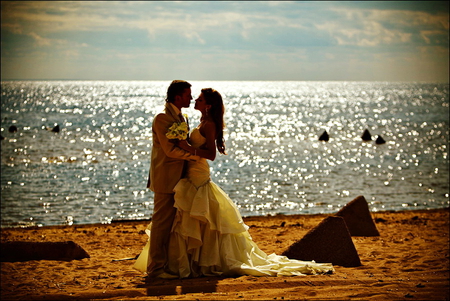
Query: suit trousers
{"points": [[162, 220]]}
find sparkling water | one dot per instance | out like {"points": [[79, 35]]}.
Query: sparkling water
{"points": [[95, 168]]}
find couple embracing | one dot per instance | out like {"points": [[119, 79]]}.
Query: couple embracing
{"points": [[196, 229]]}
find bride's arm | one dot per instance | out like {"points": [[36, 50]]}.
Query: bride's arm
{"points": [[209, 131]]}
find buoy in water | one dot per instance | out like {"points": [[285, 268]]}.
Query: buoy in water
{"points": [[366, 136], [380, 140], [324, 136]]}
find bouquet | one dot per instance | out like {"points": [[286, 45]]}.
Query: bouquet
{"points": [[178, 130]]}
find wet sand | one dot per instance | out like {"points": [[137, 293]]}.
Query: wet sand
{"points": [[408, 261]]}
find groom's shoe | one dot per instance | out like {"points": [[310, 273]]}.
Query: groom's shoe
{"points": [[165, 275], [161, 274]]}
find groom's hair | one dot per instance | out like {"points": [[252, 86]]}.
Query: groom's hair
{"points": [[177, 87]]}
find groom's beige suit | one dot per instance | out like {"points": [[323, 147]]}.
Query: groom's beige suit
{"points": [[166, 169]]}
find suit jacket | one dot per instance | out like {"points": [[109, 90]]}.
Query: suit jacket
{"points": [[167, 160]]}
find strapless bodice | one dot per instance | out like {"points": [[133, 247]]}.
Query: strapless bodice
{"points": [[196, 138]]}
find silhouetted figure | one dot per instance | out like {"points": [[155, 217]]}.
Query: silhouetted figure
{"points": [[324, 136], [12, 129], [56, 129], [366, 136], [380, 140]]}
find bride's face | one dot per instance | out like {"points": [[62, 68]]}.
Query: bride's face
{"points": [[200, 104]]}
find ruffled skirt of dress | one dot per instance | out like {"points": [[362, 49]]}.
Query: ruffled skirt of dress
{"points": [[210, 238]]}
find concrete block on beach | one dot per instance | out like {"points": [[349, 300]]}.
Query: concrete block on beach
{"points": [[358, 218], [25, 251], [328, 242]]}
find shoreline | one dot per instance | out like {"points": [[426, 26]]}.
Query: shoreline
{"points": [[409, 260], [125, 221]]}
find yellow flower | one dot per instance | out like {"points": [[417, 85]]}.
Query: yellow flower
{"points": [[178, 130]]}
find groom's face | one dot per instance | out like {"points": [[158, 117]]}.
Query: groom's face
{"points": [[185, 98]]}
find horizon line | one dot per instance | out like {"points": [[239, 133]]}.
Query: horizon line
{"points": [[230, 80]]}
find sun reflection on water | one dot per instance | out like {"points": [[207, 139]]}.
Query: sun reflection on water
{"points": [[95, 168]]}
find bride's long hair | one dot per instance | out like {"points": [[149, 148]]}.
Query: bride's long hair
{"points": [[216, 112]]}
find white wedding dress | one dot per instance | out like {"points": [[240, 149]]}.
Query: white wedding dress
{"points": [[209, 237]]}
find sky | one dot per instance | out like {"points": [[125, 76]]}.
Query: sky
{"points": [[225, 40]]}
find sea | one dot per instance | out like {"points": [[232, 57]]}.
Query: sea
{"points": [[78, 152]]}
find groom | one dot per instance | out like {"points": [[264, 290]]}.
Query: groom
{"points": [[166, 169]]}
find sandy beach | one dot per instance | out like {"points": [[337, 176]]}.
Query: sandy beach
{"points": [[408, 261]]}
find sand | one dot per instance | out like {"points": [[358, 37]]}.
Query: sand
{"points": [[408, 261]]}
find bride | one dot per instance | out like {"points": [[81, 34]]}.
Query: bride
{"points": [[208, 235]]}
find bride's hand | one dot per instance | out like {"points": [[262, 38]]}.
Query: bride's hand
{"points": [[183, 144]]}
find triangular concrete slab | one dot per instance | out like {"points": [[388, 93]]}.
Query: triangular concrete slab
{"points": [[328, 242], [358, 218], [24, 251]]}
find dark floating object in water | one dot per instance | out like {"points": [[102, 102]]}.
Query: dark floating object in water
{"points": [[56, 129], [366, 136], [380, 140], [324, 136], [12, 129]]}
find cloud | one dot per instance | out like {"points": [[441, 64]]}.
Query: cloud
{"points": [[40, 40], [436, 37], [370, 28], [13, 28]]}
